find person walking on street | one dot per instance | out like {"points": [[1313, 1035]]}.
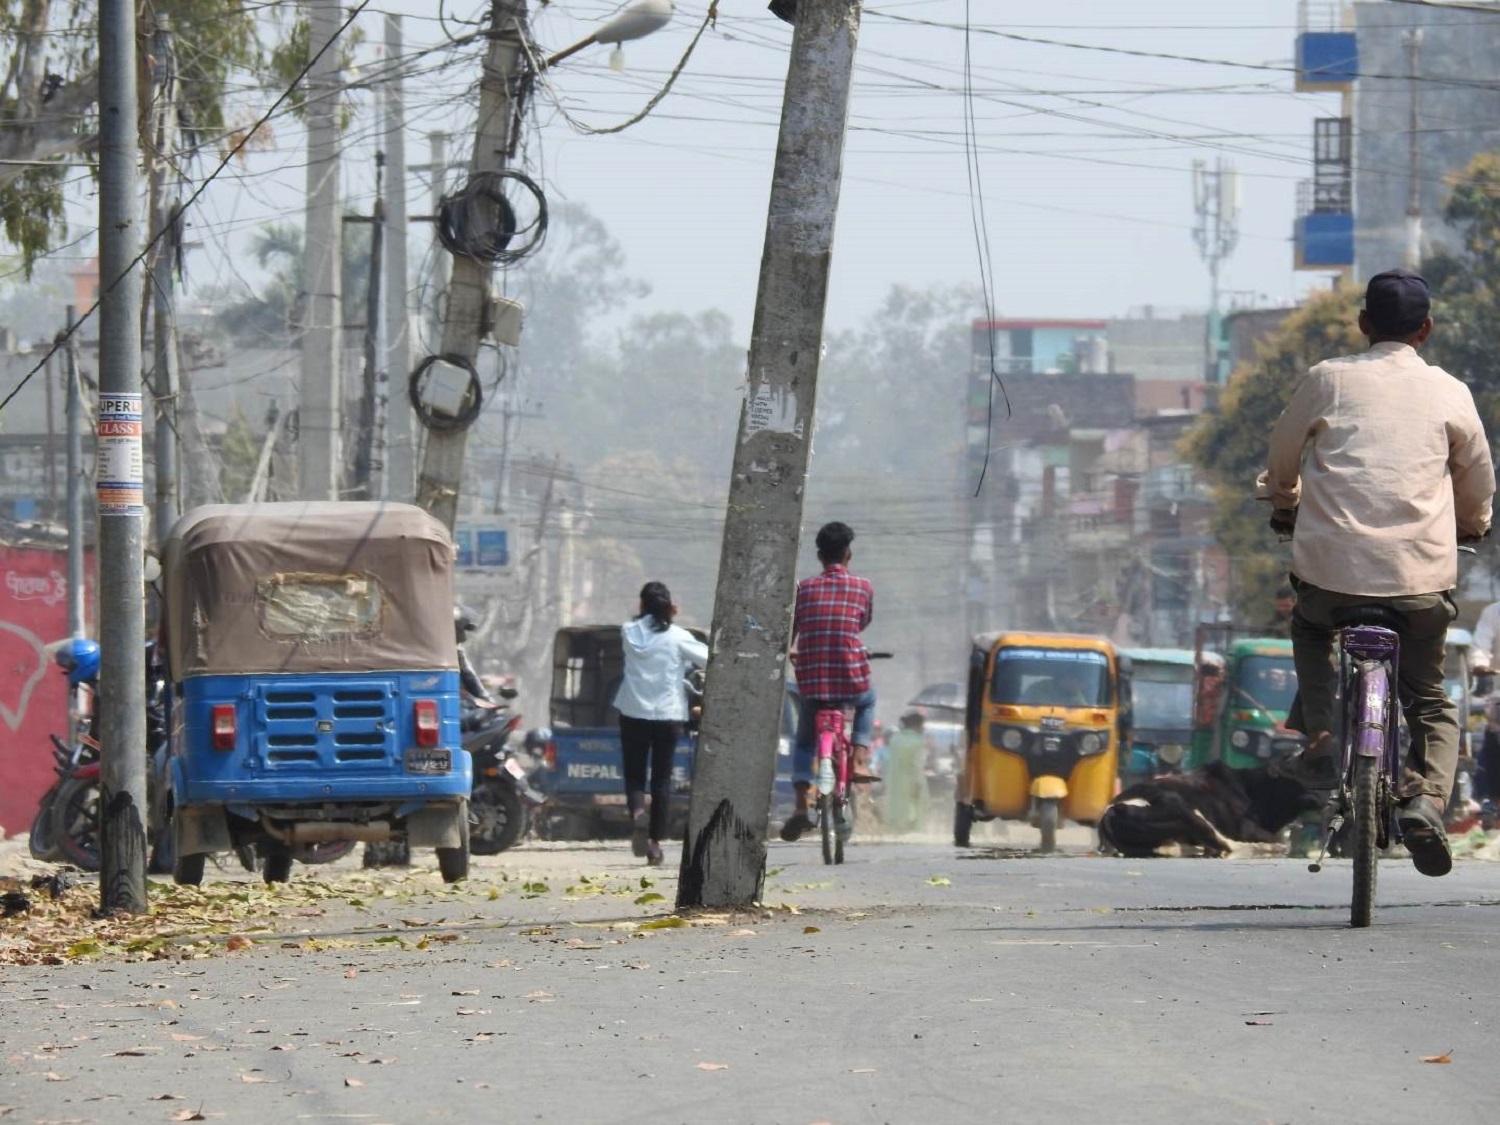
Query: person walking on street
{"points": [[1381, 462], [905, 776], [833, 608], [653, 706]]}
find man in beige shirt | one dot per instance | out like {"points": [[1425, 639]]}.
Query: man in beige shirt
{"points": [[1382, 461]]}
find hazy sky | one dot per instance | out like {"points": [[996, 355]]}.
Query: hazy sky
{"points": [[1084, 151]]}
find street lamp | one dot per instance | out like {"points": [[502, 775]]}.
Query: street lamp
{"points": [[635, 22]]}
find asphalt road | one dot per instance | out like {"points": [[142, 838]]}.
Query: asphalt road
{"points": [[913, 984]]}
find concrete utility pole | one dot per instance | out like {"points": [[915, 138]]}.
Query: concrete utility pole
{"points": [[437, 271], [369, 430], [400, 460], [1411, 257], [121, 491], [724, 861], [469, 288], [319, 456], [75, 482], [164, 378]]}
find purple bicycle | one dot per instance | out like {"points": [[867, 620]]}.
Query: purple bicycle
{"points": [[1369, 662]]}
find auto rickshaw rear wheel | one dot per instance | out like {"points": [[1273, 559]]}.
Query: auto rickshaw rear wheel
{"points": [[453, 863], [187, 870], [275, 863]]}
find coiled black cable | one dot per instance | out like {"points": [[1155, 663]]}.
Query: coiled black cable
{"points": [[479, 222]]}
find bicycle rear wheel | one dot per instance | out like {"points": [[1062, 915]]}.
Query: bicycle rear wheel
{"points": [[825, 822], [1366, 842]]}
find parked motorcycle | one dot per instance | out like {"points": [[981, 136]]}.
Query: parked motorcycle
{"points": [[500, 803]]}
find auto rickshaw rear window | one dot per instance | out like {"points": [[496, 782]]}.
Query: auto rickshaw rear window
{"points": [[313, 608], [1047, 677]]}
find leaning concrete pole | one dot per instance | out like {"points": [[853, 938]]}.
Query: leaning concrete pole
{"points": [[724, 860], [119, 472], [468, 298]]}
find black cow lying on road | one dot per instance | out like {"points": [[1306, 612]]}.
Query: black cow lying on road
{"points": [[1213, 808]]}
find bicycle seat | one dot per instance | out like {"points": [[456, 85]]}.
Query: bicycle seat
{"points": [[1382, 616]]}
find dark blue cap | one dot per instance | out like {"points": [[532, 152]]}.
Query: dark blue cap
{"points": [[1398, 302]]}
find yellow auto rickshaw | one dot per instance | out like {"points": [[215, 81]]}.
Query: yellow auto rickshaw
{"points": [[1044, 719]]}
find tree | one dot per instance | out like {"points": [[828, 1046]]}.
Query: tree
{"points": [[49, 90], [1230, 444], [1466, 286]]}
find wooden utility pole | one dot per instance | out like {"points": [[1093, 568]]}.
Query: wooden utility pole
{"points": [[319, 424], [120, 487], [724, 860], [469, 287]]}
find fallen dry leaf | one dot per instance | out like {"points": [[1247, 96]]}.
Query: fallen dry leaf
{"points": [[182, 1037], [465, 992], [166, 1098], [253, 1077], [1257, 1023], [713, 1066], [351, 974], [472, 1012], [743, 933], [53, 1076], [863, 1070], [353, 1082], [238, 942], [1442, 1059], [187, 1115], [811, 930]]}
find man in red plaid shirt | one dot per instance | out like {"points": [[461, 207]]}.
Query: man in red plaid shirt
{"points": [[833, 608]]}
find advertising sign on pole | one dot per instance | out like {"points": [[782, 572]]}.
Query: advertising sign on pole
{"points": [[120, 473]]}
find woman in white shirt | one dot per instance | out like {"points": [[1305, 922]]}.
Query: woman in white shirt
{"points": [[652, 702]]}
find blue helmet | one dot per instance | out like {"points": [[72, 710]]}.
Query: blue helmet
{"points": [[79, 658]]}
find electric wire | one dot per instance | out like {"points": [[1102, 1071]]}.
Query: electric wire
{"points": [[202, 187]]}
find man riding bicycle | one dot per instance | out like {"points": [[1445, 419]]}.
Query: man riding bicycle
{"points": [[1382, 463], [833, 608]]}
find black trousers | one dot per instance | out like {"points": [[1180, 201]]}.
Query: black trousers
{"points": [[650, 742]]}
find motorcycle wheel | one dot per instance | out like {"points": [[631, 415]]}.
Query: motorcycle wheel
{"points": [[42, 842], [76, 821], [388, 853], [323, 853], [497, 819]]}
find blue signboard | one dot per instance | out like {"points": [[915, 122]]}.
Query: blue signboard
{"points": [[491, 547]]}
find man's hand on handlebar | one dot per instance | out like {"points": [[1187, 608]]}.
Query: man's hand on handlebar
{"points": [[1284, 520]]}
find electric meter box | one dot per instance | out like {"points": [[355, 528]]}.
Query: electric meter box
{"points": [[446, 389]]}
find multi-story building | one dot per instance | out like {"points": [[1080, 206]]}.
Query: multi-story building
{"points": [[1417, 102]]}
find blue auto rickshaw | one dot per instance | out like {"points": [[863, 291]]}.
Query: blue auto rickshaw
{"points": [[315, 683]]}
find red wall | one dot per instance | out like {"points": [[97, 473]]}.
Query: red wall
{"points": [[33, 691]]}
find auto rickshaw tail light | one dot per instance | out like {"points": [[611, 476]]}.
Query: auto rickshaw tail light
{"points": [[427, 722], [549, 754], [226, 728]]}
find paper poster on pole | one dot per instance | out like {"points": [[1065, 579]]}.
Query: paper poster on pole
{"points": [[120, 467]]}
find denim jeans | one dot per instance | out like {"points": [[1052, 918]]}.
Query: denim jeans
{"points": [[807, 731]]}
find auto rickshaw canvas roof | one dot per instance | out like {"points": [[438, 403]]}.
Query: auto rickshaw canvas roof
{"points": [[319, 586]]}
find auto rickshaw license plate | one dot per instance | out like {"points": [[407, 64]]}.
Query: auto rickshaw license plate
{"points": [[423, 759]]}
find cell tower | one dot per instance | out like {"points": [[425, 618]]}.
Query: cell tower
{"points": [[1216, 199]]}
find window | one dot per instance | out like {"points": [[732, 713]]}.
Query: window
{"points": [[1045, 677], [314, 608]]}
